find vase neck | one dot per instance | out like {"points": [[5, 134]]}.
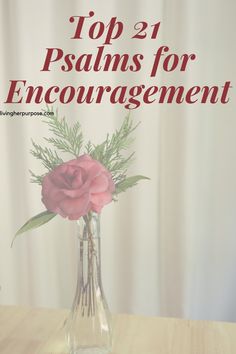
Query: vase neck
{"points": [[89, 247], [89, 267], [89, 227]]}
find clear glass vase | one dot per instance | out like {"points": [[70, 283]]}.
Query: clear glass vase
{"points": [[89, 326]]}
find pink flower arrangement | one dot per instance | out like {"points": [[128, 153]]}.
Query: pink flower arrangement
{"points": [[75, 188]]}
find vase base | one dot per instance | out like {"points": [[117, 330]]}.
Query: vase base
{"points": [[91, 351], [60, 347]]}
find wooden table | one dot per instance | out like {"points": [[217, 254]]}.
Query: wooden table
{"points": [[23, 330]]}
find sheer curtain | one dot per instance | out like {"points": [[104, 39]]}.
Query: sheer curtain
{"points": [[168, 244]]}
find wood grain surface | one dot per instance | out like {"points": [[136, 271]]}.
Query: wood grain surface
{"points": [[25, 330]]}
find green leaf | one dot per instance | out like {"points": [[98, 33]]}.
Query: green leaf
{"points": [[128, 183], [35, 222]]}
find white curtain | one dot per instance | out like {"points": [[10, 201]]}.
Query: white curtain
{"points": [[168, 245]]}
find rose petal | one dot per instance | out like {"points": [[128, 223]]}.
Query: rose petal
{"points": [[79, 177], [96, 208], [101, 198], [99, 184], [76, 193], [78, 206], [57, 176], [51, 195]]}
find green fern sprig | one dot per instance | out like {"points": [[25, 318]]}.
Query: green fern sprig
{"points": [[69, 139], [38, 179], [49, 158], [111, 152]]}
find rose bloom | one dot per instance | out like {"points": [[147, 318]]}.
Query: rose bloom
{"points": [[76, 187]]}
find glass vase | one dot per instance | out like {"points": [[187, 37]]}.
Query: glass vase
{"points": [[89, 327]]}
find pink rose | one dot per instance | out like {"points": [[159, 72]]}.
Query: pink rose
{"points": [[76, 187]]}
